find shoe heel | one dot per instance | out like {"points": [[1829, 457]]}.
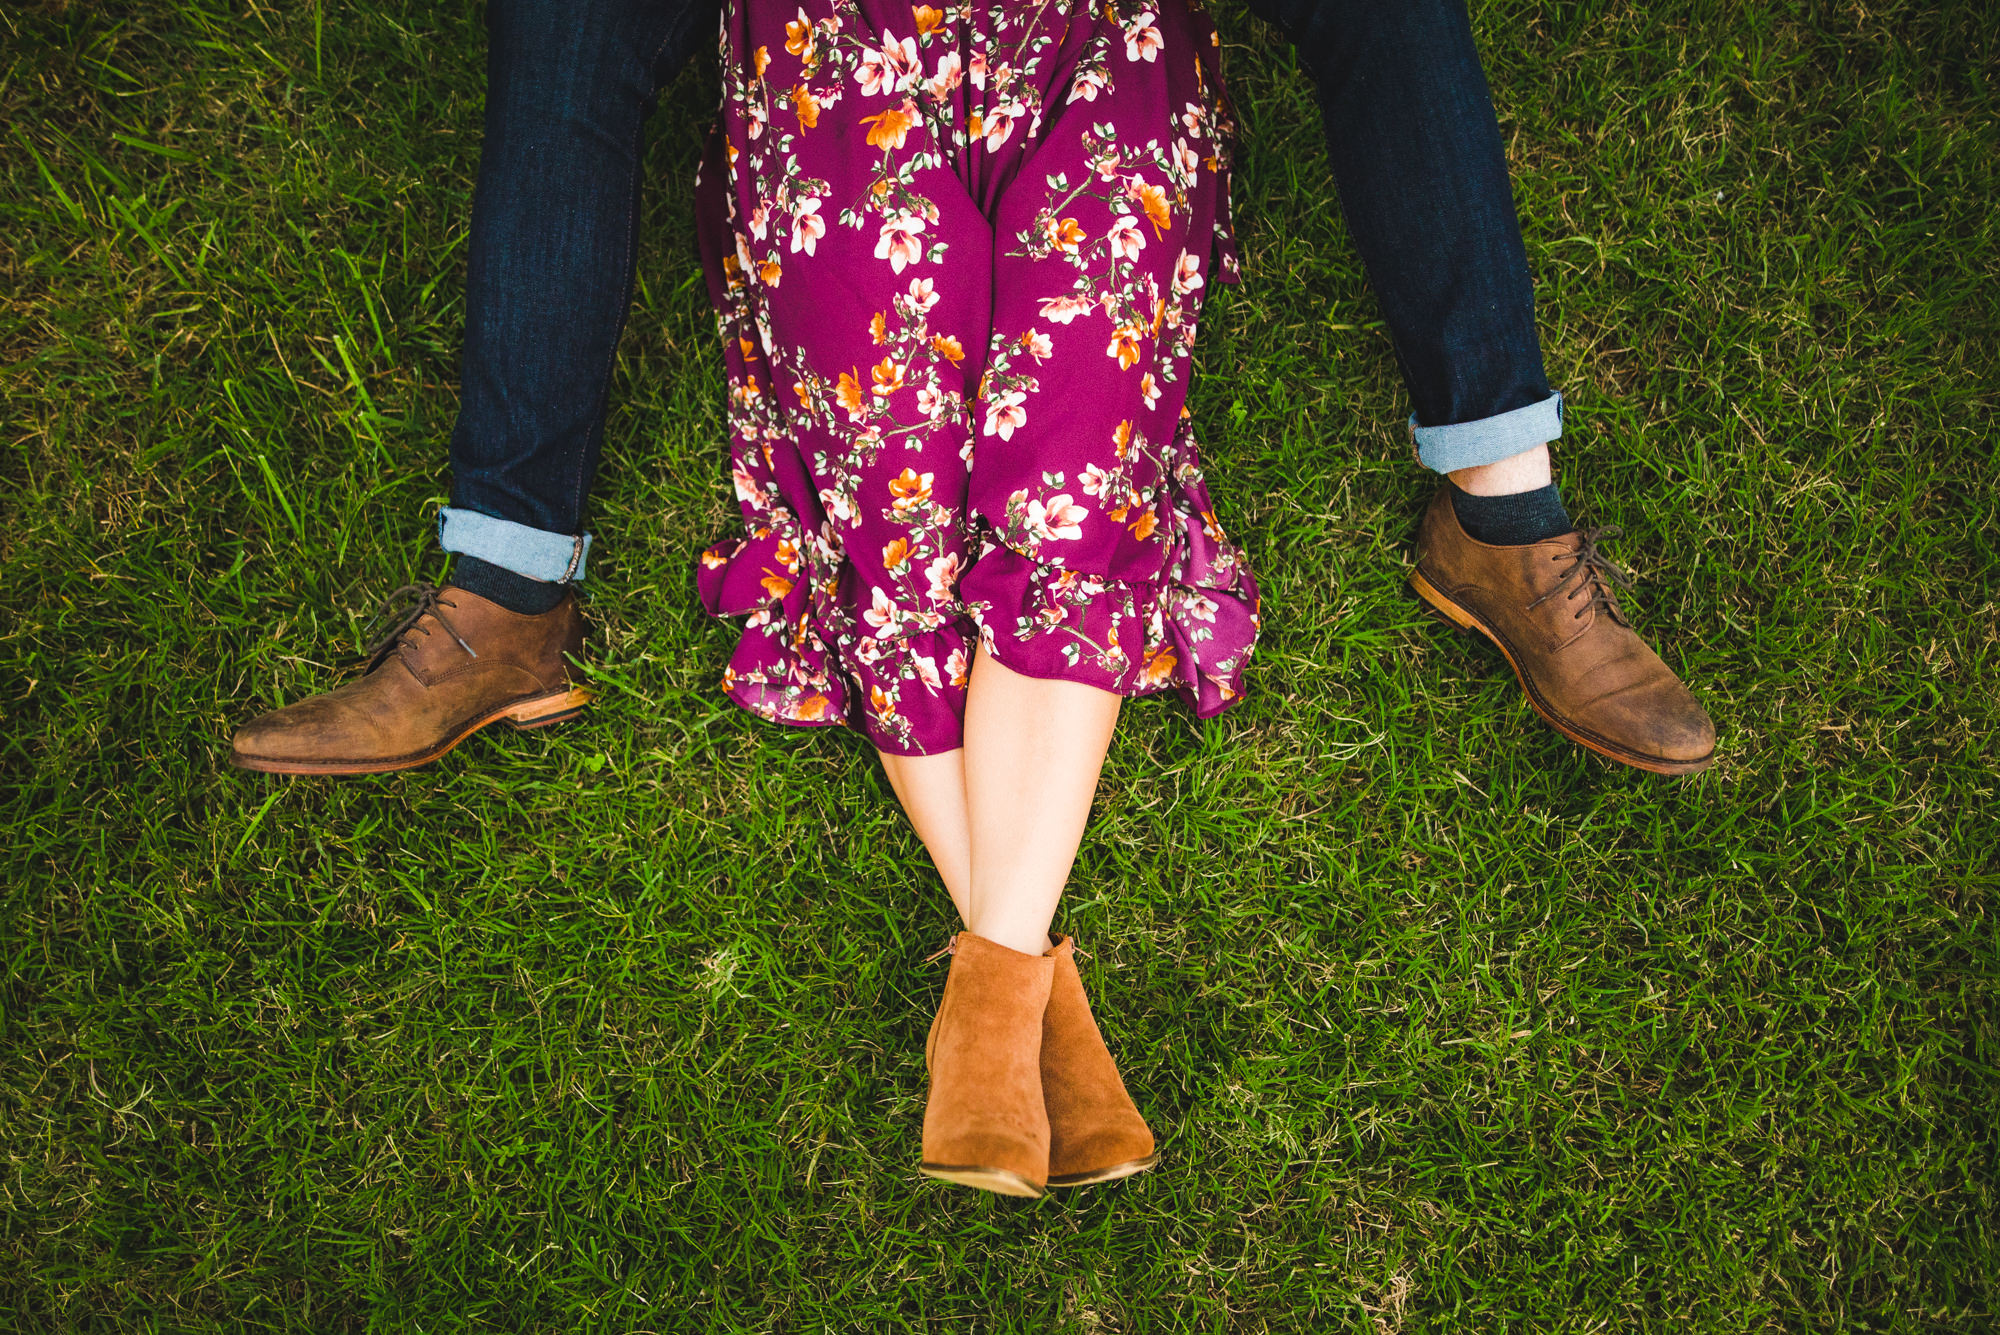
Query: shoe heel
{"points": [[1453, 613], [548, 710]]}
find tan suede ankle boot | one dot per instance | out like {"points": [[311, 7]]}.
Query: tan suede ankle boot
{"points": [[984, 1125], [1095, 1132]]}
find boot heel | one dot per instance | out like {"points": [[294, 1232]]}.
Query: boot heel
{"points": [[548, 709]]}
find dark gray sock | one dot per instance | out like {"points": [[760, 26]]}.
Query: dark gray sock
{"points": [[516, 593], [1511, 521]]}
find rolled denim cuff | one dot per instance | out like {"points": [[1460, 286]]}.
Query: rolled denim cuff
{"points": [[1446, 449], [535, 553]]}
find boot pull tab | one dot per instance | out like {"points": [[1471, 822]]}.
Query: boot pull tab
{"points": [[950, 948]]}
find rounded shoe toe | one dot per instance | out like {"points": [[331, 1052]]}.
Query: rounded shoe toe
{"points": [[1661, 721], [1102, 1152], [318, 730], [267, 737]]}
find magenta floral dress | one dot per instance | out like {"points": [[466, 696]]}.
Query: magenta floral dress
{"points": [[957, 255]]}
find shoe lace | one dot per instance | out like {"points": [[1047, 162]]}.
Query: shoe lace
{"points": [[1590, 571], [423, 600]]}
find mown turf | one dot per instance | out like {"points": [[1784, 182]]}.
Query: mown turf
{"points": [[1446, 1025]]}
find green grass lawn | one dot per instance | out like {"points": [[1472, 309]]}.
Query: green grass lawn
{"points": [[1445, 1024]]}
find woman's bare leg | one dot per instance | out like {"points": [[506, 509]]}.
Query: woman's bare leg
{"points": [[1002, 816], [1033, 750], [932, 791]]}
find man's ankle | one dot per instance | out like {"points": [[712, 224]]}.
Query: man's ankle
{"points": [[497, 584], [1512, 520], [1530, 470]]}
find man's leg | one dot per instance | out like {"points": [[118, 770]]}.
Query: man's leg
{"points": [[1417, 156], [549, 278], [1416, 153]]}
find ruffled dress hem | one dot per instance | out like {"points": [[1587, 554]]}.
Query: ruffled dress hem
{"points": [[804, 661]]}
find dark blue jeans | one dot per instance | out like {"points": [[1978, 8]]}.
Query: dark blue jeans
{"points": [[1411, 133]]}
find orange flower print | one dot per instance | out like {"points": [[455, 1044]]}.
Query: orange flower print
{"points": [[948, 347], [1153, 199], [884, 707], [1037, 345], [1149, 388], [1124, 346], [713, 560], [1065, 234], [909, 489], [812, 707], [888, 375], [896, 555], [799, 36], [878, 328], [805, 394], [891, 127], [763, 60], [927, 18], [848, 392], [747, 348], [1121, 436], [775, 584], [805, 106], [770, 272], [1143, 526], [1158, 669]]}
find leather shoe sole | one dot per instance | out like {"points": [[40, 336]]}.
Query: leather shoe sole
{"points": [[1111, 1174], [1466, 619], [1002, 1181], [537, 712]]}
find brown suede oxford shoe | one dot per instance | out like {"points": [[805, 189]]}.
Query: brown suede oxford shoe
{"points": [[1551, 609], [455, 663]]}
